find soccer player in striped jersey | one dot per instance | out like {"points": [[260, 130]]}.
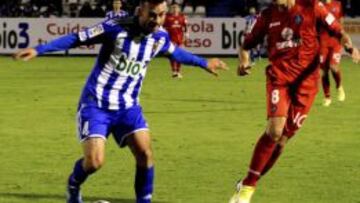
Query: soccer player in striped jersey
{"points": [[110, 99], [116, 12]]}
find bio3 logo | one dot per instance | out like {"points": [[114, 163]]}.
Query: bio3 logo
{"points": [[14, 38], [129, 67]]}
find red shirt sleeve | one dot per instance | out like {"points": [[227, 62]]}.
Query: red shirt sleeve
{"points": [[327, 19], [257, 31]]}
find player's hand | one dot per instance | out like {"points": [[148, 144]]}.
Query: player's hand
{"points": [[25, 54], [243, 70], [215, 64], [355, 55]]}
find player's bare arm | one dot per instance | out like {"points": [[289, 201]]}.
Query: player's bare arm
{"points": [[244, 62], [215, 64], [25, 54], [212, 65], [348, 45]]}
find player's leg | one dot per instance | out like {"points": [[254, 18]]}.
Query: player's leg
{"points": [[93, 130], [280, 145], [177, 64], [139, 143], [264, 149], [336, 71], [278, 102], [263, 152], [131, 129], [178, 69], [173, 68], [325, 79], [298, 111]]}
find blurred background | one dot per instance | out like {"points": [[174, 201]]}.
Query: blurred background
{"points": [[98, 8]]}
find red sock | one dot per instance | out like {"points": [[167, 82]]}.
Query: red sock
{"points": [[262, 153], [326, 84], [173, 66], [178, 67], [337, 77], [274, 157]]}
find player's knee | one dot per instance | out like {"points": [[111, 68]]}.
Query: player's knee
{"points": [[334, 68], [275, 133], [93, 163]]}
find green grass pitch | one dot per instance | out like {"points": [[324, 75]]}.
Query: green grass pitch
{"points": [[203, 130]]}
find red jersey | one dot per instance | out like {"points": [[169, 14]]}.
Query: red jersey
{"points": [[292, 37], [328, 38], [176, 26]]}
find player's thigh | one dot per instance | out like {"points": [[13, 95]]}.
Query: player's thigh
{"points": [[140, 143], [93, 130], [324, 59], [94, 152], [335, 58], [277, 100]]}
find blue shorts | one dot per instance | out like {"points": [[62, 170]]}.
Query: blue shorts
{"points": [[96, 122]]}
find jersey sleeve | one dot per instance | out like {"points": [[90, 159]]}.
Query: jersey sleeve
{"points": [[92, 35], [327, 19], [99, 33], [256, 32], [168, 47]]}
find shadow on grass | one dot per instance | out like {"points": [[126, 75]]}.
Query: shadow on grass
{"points": [[31, 197]]}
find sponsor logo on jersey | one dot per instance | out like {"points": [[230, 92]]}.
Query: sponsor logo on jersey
{"points": [[155, 46], [129, 67], [274, 24]]}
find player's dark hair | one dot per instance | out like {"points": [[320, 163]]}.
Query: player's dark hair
{"points": [[152, 1]]}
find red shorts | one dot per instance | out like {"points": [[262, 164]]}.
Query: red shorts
{"points": [[330, 55], [292, 101]]}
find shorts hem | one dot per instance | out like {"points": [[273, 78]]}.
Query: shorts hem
{"points": [[93, 136]]}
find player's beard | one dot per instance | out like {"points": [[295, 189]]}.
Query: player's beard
{"points": [[152, 27]]}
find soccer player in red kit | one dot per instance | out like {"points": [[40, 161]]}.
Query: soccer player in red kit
{"points": [[175, 24], [330, 54], [292, 76]]}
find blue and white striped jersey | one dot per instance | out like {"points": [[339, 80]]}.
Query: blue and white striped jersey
{"points": [[116, 79], [112, 14]]}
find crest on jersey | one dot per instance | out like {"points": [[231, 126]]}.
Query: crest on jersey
{"points": [[95, 31], [298, 19], [155, 46]]}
